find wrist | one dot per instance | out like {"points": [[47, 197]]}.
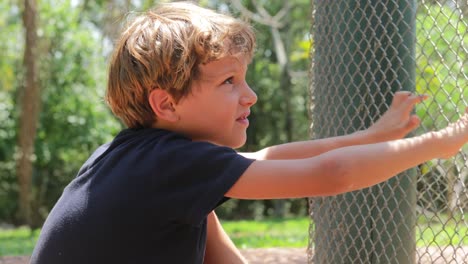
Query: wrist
{"points": [[439, 145], [367, 136]]}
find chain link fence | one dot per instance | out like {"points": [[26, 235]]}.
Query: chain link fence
{"points": [[363, 52]]}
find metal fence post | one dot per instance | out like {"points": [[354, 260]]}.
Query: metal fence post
{"points": [[363, 53]]}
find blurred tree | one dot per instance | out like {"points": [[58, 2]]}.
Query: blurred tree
{"points": [[73, 119], [29, 108]]}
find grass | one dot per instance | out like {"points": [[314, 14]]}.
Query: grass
{"points": [[268, 233], [245, 234], [442, 231], [18, 241]]}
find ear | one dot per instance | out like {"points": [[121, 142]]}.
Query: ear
{"points": [[162, 104]]}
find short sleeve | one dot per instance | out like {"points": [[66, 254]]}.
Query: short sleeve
{"points": [[197, 176]]}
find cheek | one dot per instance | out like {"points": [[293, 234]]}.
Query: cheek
{"points": [[224, 105], [222, 115]]}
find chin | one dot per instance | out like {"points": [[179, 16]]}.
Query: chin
{"points": [[232, 143], [238, 144]]}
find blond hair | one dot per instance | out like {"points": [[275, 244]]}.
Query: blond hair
{"points": [[162, 49]]}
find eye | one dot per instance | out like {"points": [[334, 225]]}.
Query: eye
{"points": [[229, 80]]}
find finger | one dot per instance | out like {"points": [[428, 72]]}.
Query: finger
{"points": [[414, 122], [413, 100], [399, 97], [465, 115]]}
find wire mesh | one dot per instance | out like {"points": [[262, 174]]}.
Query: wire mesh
{"points": [[363, 52]]}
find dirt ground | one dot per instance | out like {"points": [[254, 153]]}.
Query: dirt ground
{"points": [[254, 256], [14, 260], [276, 255], [429, 255]]}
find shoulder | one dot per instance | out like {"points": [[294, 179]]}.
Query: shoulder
{"points": [[146, 135], [169, 147]]}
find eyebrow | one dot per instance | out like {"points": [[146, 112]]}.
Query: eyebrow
{"points": [[233, 67]]}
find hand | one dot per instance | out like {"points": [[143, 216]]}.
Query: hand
{"points": [[397, 121], [454, 136]]}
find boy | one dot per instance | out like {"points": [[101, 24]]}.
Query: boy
{"points": [[177, 80]]}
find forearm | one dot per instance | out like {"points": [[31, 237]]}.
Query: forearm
{"points": [[311, 148], [337, 171], [348, 168], [219, 247], [367, 165]]}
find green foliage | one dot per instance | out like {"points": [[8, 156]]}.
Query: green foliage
{"points": [[441, 73], [10, 67], [73, 120], [7, 165], [282, 110], [270, 114], [261, 209], [442, 66], [11, 28]]}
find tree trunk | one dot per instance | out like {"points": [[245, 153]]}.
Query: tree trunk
{"points": [[29, 106]]}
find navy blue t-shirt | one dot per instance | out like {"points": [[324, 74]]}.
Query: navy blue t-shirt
{"points": [[143, 198]]}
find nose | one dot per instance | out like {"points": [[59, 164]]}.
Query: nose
{"points": [[249, 97]]}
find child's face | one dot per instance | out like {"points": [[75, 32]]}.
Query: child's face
{"points": [[217, 109]]}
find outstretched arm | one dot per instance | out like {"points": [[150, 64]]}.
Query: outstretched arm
{"points": [[349, 168], [219, 247], [396, 123]]}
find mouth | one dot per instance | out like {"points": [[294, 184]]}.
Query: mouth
{"points": [[243, 116]]}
